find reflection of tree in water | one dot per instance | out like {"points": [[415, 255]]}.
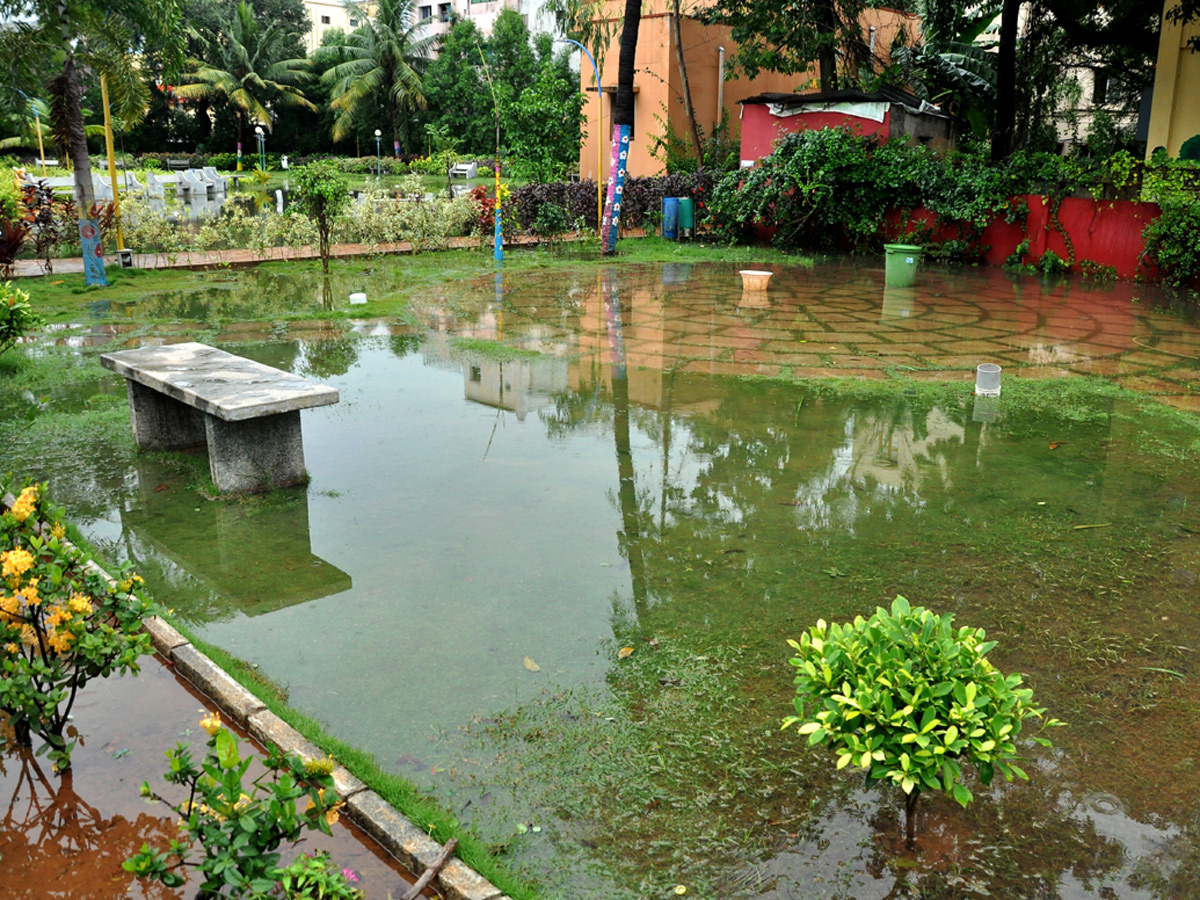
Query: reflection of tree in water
{"points": [[327, 358], [402, 345], [728, 521], [56, 845]]}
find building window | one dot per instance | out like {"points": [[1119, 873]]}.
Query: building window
{"points": [[444, 12], [426, 12], [1099, 87], [354, 23], [324, 20]]}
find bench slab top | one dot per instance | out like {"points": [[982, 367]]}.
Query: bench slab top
{"points": [[218, 383]]}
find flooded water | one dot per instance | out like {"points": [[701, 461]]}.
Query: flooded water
{"points": [[486, 531]]}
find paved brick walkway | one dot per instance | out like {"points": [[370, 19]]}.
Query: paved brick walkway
{"points": [[841, 320]]}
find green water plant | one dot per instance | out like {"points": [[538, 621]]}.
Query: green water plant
{"points": [[63, 623], [909, 698], [241, 822]]}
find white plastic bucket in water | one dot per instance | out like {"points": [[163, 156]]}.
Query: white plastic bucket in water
{"points": [[987, 380]]}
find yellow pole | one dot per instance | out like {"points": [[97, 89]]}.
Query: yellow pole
{"points": [[112, 162], [37, 123]]}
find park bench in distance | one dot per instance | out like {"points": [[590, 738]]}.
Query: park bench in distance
{"points": [[246, 413]]}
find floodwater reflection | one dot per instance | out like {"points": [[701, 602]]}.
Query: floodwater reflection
{"points": [[484, 534]]}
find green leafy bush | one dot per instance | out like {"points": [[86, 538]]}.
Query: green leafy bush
{"points": [[321, 194], [1171, 242], [62, 623], [909, 698], [240, 823], [17, 316]]}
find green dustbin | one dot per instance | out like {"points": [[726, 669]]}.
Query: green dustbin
{"points": [[687, 215], [901, 264]]}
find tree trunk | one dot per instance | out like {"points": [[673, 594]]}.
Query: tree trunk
{"points": [[827, 15], [71, 128], [1006, 82], [204, 123], [622, 125], [693, 127], [910, 817]]}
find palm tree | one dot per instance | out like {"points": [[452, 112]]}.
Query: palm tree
{"points": [[89, 34], [387, 59], [243, 69]]}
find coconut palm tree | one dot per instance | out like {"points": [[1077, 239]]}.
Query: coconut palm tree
{"points": [[243, 68], [89, 34], [387, 58]]}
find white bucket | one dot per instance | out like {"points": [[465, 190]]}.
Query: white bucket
{"points": [[987, 380]]}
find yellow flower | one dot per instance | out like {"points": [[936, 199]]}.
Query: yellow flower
{"points": [[60, 641], [80, 604], [319, 766], [58, 531], [15, 562], [25, 505], [29, 593], [211, 723], [11, 648], [58, 616]]}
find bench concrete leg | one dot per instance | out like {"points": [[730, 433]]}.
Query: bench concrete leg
{"points": [[161, 422], [255, 454]]}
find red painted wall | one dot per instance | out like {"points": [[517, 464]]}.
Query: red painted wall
{"points": [[760, 129], [1108, 232]]}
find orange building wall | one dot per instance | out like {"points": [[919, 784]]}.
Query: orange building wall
{"points": [[658, 85]]}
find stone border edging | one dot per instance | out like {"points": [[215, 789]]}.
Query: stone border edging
{"points": [[409, 844]]}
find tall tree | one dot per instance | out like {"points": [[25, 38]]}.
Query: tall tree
{"points": [[387, 57], [69, 30], [243, 66], [789, 37], [459, 103]]}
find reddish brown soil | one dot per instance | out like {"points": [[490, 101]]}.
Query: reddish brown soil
{"points": [[65, 836]]}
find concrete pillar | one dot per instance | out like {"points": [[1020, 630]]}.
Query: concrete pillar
{"points": [[162, 423], [255, 454]]}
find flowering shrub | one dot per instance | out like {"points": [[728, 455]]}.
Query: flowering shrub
{"points": [[240, 825], [315, 877], [17, 317], [62, 622]]}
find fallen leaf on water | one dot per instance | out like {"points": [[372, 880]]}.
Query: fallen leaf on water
{"points": [[1054, 445], [624, 652], [531, 665]]}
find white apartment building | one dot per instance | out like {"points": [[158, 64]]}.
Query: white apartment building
{"points": [[435, 16]]}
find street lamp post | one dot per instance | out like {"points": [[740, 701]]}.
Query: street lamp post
{"points": [[599, 134], [378, 156], [262, 147]]}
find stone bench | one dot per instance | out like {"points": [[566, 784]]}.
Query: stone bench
{"points": [[246, 414]]}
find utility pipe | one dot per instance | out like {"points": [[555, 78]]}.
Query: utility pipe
{"points": [[720, 87]]}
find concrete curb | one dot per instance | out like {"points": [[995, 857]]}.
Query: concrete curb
{"points": [[410, 845]]}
